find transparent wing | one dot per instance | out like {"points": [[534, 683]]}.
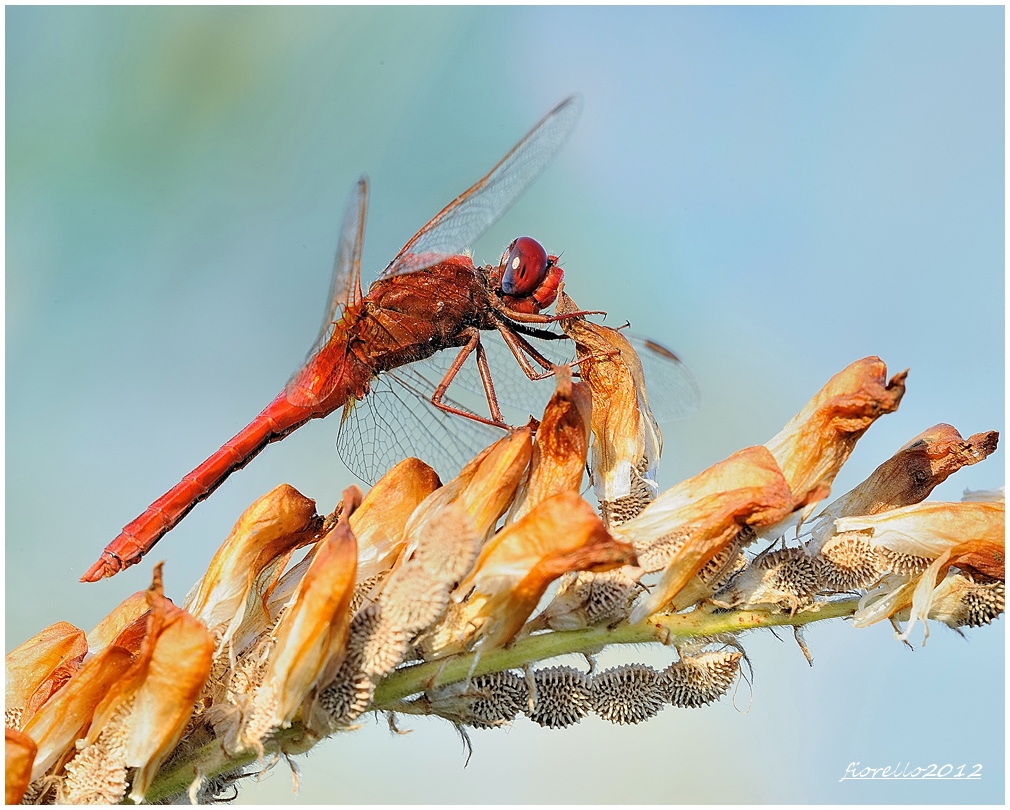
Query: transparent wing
{"points": [[463, 220], [672, 389], [345, 285], [397, 420]]}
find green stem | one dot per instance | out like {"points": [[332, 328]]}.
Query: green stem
{"points": [[211, 759]]}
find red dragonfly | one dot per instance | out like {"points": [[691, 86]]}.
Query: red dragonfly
{"points": [[370, 351]]}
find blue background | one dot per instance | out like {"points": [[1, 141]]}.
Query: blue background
{"points": [[772, 192]]}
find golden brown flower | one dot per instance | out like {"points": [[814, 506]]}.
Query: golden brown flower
{"points": [[970, 536], [248, 563], [379, 522], [124, 619], [514, 568], [911, 474]]}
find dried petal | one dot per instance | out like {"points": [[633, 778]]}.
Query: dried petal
{"points": [[911, 474], [64, 718], [248, 563], [126, 615], [560, 445], [380, 520], [19, 751], [816, 442], [627, 441], [40, 667], [312, 633], [144, 714], [561, 534], [929, 529], [694, 521]]}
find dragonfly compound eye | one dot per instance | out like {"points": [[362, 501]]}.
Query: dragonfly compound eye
{"points": [[524, 267]]}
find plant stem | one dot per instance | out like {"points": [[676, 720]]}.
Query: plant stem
{"points": [[211, 759]]}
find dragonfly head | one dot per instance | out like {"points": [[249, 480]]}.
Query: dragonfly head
{"points": [[527, 276]]}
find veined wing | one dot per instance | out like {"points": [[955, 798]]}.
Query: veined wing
{"points": [[467, 217], [672, 390], [345, 290], [397, 420]]}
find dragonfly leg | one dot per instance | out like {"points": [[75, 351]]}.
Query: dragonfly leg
{"points": [[520, 348], [472, 344]]}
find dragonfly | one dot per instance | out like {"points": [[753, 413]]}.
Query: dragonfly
{"points": [[385, 357]]}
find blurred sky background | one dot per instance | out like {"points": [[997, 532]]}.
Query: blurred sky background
{"points": [[773, 192]]}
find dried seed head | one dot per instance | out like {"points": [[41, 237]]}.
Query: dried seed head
{"points": [[561, 697], [627, 694], [847, 562], [786, 579], [487, 701], [643, 492], [343, 701], [363, 591], [412, 600], [697, 680], [715, 574], [377, 643], [584, 598], [97, 774], [897, 563]]}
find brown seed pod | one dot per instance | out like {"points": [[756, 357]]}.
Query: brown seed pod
{"points": [[697, 680], [627, 694], [847, 562], [561, 697], [487, 701]]}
